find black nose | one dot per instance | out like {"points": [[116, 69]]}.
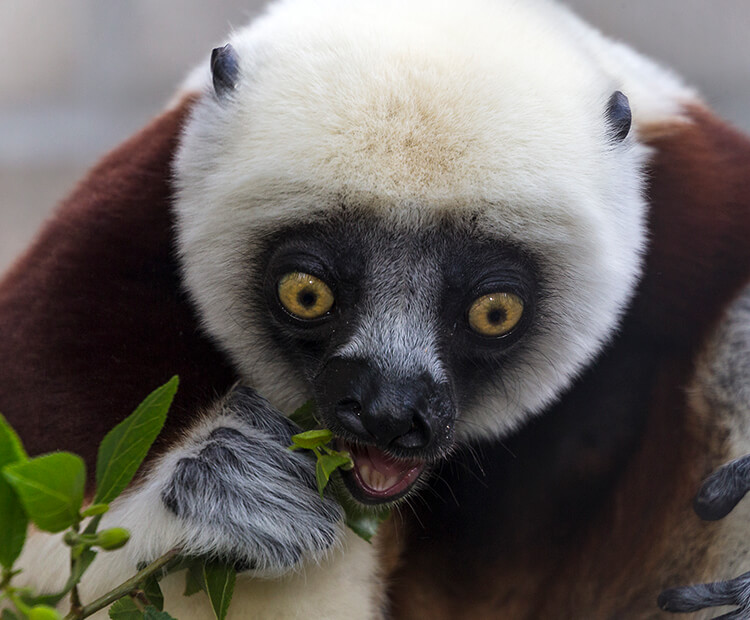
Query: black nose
{"points": [[396, 413]]}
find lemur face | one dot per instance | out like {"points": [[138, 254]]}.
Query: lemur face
{"points": [[395, 331], [431, 264]]}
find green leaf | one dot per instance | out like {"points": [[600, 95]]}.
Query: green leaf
{"points": [[326, 465], [153, 592], [95, 510], [8, 615], [312, 439], [219, 581], [304, 416], [93, 525], [11, 449], [329, 463], [347, 461], [321, 477], [151, 613], [50, 488], [194, 579], [123, 449], [125, 609], [13, 525], [364, 523], [13, 519]]}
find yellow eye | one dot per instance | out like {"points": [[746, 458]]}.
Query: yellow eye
{"points": [[305, 296], [495, 314]]}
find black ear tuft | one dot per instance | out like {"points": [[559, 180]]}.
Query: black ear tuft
{"points": [[619, 116], [225, 70]]}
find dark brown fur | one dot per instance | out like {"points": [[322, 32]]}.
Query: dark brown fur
{"points": [[586, 513], [583, 514]]}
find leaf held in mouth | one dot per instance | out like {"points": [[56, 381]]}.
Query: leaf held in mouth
{"points": [[304, 416], [310, 440], [326, 465], [363, 522]]}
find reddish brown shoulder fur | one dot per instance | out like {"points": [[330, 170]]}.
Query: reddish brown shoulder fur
{"points": [[92, 317], [699, 190]]}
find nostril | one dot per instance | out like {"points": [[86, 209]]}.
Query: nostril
{"points": [[419, 434], [349, 405], [349, 411]]}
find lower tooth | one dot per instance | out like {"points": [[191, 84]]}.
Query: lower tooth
{"points": [[384, 483], [364, 473], [375, 479]]}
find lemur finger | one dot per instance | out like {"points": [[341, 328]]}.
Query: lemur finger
{"points": [[723, 489], [250, 407], [215, 450], [696, 597], [232, 463]]}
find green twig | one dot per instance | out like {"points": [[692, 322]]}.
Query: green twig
{"points": [[76, 608], [8, 574], [75, 558], [123, 589]]}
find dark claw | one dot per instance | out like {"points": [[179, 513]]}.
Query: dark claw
{"points": [[694, 598], [723, 489]]}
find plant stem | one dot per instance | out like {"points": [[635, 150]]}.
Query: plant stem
{"points": [[123, 589], [7, 576], [16, 600], [75, 603], [75, 558]]}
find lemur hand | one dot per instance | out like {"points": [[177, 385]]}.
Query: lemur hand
{"points": [[718, 495], [242, 496]]}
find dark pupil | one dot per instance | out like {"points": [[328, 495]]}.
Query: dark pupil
{"points": [[496, 316], [307, 298]]}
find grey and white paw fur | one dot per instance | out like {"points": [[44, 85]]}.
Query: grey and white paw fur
{"points": [[687, 599], [241, 496]]}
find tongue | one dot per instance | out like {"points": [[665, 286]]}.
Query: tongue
{"points": [[381, 475], [385, 464]]}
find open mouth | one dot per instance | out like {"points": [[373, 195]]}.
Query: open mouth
{"points": [[378, 477]]}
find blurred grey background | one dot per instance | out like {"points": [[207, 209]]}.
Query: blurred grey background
{"points": [[78, 76]]}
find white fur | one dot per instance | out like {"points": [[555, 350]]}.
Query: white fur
{"points": [[343, 582], [345, 585], [415, 108]]}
